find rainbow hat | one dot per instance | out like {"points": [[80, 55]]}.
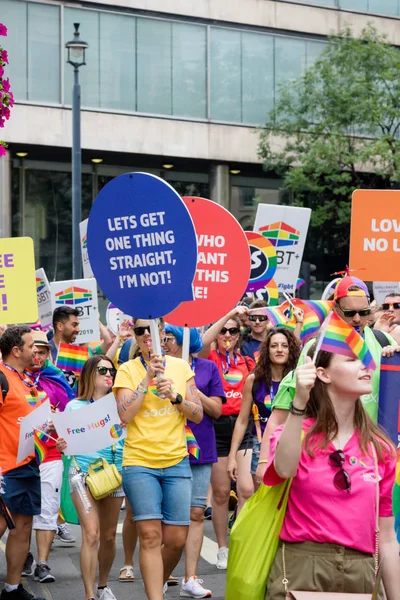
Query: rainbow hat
{"points": [[342, 288]]}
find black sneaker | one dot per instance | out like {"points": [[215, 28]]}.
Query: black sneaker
{"points": [[43, 573], [19, 594], [208, 513], [29, 566]]}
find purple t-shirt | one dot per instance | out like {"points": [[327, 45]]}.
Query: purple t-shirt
{"points": [[264, 400], [208, 381]]}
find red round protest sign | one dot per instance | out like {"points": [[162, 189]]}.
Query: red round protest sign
{"points": [[223, 265]]}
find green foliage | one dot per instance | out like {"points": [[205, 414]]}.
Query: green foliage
{"points": [[336, 129]]}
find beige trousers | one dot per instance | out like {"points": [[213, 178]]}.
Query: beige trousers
{"points": [[312, 567]]}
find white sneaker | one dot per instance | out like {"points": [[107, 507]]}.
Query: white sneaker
{"points": [[222, 558], [105, 594], [192, 588]]}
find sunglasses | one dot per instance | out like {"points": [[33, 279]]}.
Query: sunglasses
{"points": [[364, 312], [168, 339], [342, 479], [232, 330], [104, 370], [141, 330], [260, 318], [386, 306]]}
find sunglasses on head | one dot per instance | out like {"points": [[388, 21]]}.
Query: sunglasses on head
{"points": [[364, 312], [342, 479], [232, 330], [106, 370], [260, 318], [394, 305], [141, 330]]}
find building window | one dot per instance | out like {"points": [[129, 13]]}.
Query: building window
{"points": [[153, 66], [33, 44], [42, 198]]}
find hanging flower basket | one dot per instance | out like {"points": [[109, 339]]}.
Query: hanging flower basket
{"points": [[6, 96]]}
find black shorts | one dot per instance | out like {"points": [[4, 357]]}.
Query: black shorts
{"points": [[224, 427], [22, 490]]}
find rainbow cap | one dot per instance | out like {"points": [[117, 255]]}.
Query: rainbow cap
{"points": [[342, 288]]}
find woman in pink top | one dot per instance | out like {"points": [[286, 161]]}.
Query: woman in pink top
{"points": [[328, 536]]}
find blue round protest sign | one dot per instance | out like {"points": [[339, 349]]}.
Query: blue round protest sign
{"points": [[142, 245]]}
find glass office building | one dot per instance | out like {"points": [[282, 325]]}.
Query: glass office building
{"points": [[180, 94]]}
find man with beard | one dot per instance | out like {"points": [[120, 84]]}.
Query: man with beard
{"points": [[52, 385], [352, 304], [19, 398]]}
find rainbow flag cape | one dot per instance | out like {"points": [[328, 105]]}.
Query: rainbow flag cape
{"points": [[72, 358], [192, 445], [340, 338], [40, 440]]}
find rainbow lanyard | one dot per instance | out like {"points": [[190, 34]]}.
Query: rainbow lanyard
{"points": [[271, 394], [193, 364], [30, 375], [226, 366], [26, 380]]}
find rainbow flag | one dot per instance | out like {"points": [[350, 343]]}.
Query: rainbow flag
{"points": [[192, 445], [40, 440], [72, 358], [274, 314], [299, 283], [340, 338], [315, 313]]}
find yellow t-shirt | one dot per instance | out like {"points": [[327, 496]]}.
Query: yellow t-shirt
{"points": [[156, 435]]}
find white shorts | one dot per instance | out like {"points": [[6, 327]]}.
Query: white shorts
{"points": [[50, 486]]}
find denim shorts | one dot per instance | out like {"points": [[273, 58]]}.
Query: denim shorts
{"points": [[201, 480], [255, 456], [22, 490], [160, 494]]}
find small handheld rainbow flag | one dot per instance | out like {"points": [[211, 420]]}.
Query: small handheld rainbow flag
{"points": [[274, 314], [40, 440], [72, 358], [338, 337], [192, 445], [315, 312]]}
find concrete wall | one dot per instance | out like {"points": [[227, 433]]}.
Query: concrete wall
{"points": [[142, 135], [32, 124]]}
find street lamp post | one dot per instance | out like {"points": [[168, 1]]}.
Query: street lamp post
{"points": [[76, 57]]}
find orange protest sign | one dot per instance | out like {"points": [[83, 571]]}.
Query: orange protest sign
{"points": [[375, 234]]}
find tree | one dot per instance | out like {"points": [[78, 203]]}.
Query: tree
{"points": [[336, 129]]}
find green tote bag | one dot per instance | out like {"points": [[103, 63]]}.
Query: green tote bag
{"points": [[254, 542]]}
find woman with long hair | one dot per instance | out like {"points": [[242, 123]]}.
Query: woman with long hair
{"points": [[155, 394], [234, 368], [278, 355], [99, 525], [340, 501]]}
